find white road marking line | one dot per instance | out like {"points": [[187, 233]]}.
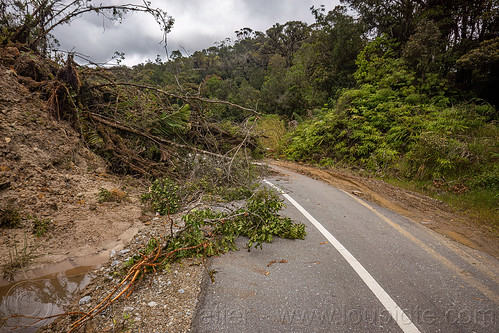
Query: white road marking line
{"points": [[395, 311]]}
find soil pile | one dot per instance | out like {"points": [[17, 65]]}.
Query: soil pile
{"points": [[52, 179], [74, 213]]}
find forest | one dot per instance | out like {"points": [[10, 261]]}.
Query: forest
{"points": [[401, 90]]}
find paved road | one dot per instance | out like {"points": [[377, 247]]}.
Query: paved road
{"points": [[361, 268]]}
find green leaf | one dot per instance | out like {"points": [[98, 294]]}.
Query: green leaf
{"points": [[170, 123]]}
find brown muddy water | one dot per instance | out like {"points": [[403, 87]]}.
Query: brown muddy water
{"points": [[40, 296]]}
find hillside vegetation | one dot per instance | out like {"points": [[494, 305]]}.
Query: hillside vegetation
{"points": [[396, 125], [405, 91], [401, 90]]}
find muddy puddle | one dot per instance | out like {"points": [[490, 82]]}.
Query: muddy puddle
{"points": [[39, 297]]}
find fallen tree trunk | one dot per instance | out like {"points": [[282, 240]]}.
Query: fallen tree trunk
{"points": [[118, 125], [186, 98]]}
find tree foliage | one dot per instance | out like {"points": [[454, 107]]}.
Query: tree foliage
{"points": [[31, 22], [401, 122], [394, 87]]}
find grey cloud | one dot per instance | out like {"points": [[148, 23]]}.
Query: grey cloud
{"points": [[198, 25]]}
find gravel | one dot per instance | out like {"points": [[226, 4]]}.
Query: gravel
{"points": [[84, 300], [160, 302]]}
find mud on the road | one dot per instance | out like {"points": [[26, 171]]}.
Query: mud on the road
{"points": [[429, 212]]}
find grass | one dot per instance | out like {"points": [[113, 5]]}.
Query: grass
{"points": [[18, 258], [480, 205], [41, 226], [271, 129]]}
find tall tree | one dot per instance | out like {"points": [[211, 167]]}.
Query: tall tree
{"points": [[392, 17], [286, 39], [335, 43], [32, 21], [463, 21]]}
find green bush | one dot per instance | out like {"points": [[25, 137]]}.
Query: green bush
{"points": [[437, 156], [258, 220], [41, 226], [163, 196], [488, 179], [397, 123], [270, 130]]}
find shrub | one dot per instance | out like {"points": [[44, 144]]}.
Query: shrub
{"points": [[271, 130], [217, 231], [163, 196], [41, 226]]}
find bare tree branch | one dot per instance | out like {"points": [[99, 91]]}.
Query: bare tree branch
{"points": [[186, 98], [118, 125]]}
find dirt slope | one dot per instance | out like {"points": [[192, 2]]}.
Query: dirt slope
{"points": [[46, 173], [432, 213]]}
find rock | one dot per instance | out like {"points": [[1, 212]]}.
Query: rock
{"points": [[100, 170], [293, 124], [113, 253], [128, 309], [181, 291], [118, 195], [115, 263], [152, 304], [12, 52], [84, 300], [122, 252]]}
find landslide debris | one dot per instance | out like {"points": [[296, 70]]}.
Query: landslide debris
{"points": [[47, 173]]}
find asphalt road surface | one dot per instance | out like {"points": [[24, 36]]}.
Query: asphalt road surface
{"points": [[361, 268]]}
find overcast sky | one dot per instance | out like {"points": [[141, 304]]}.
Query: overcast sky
{"points": [[198, 25]]}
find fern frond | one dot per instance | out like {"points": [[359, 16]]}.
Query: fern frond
{"points": [[170, 123], [94, 139]]}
